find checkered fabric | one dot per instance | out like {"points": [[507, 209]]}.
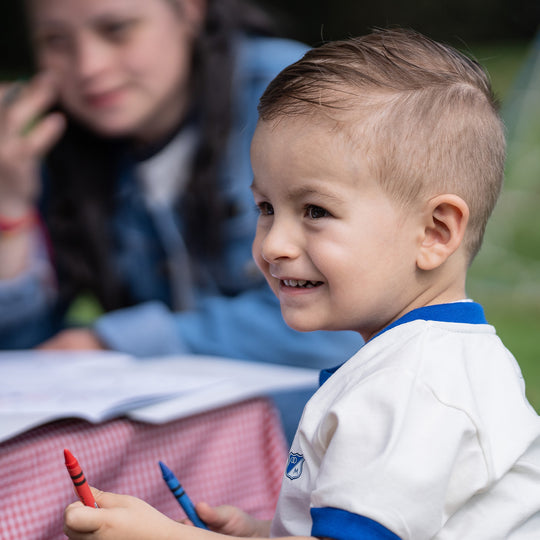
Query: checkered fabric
{"points": [[232, 455]]}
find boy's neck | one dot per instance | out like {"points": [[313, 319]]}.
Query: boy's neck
{"points": [[435, 290], [444, 285]]}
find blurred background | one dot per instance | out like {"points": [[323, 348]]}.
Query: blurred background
{"points": [[503, 35]]}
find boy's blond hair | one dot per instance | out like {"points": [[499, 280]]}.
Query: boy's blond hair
{"points": [[423, 115]]}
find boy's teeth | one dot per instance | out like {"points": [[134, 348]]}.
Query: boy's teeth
{"points": [[298, 283]]}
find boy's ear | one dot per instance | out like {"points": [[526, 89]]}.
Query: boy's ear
{"points": [[445, 223]]}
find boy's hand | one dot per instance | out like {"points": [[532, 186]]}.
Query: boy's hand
{"points": [[119, 517], [231, 521]]}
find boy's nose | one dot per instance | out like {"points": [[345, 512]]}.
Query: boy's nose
{"points": [[279, 243]]}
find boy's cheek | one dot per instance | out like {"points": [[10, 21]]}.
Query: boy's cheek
{"points": [[262, 265], [256, 254]]}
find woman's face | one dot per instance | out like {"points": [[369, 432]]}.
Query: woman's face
{"points": [[122, 66]]}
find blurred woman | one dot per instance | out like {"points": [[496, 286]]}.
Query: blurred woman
{"points": [[125, 176]]}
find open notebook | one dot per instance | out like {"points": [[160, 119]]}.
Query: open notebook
{"points": [[40, 386]]}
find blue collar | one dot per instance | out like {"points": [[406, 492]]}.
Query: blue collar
{"points": [[456, 312]]}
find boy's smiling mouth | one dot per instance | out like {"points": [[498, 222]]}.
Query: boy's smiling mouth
{"points": [[301, 283]]}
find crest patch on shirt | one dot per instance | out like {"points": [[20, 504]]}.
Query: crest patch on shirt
{"points": [[294, 466]]}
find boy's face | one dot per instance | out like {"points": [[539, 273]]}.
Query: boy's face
{"points": [[338, 253]]}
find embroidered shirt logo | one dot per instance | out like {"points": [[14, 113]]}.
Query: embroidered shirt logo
{"points": [[294, 466]]}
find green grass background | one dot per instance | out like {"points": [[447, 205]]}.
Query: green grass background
{"points": [[505, 277]]}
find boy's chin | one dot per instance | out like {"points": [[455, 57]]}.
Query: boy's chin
{"points": [[302, 325]]}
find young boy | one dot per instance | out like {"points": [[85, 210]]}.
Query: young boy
{"points": [[377, 162]]}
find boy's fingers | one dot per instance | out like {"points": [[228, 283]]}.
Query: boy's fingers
{"points": [[210, 514], [76, 504], [105, 499], [81, 519], [217, 517]]}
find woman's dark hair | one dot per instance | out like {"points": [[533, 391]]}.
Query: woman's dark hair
{"points": [[82, 168]]}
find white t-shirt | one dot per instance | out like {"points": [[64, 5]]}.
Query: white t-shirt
{"points": [[424, 433]]}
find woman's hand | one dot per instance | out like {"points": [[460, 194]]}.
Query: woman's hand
{"points": [[73, 339], [25, 136]]}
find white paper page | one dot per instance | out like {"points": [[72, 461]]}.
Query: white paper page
{"points": [[37, 387], [40, 386], [239, 380]]}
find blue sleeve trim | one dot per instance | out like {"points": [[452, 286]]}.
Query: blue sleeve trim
{"points": [[342, 525], [325, 374]]}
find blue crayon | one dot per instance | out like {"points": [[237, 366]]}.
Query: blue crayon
{"points": [[181, 496]]}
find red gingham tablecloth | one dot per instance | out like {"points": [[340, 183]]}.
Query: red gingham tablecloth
{"points": [[233, 455]]}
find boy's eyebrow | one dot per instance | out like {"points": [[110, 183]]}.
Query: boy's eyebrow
{"points": [[303, 191]]}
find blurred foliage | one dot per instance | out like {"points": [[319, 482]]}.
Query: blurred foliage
{"points": [[449, 20], [505, 277], [510, 258], [15, 56], [503, 60], [455, 21]]}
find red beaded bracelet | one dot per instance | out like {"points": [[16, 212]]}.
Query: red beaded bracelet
{"points": [[12, 225]]}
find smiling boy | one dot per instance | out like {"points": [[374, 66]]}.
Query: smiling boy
{"points": [[377, 162], [326, 221]]}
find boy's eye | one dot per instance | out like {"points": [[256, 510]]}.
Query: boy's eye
{"points": [[316, 212], [265, 209]]}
